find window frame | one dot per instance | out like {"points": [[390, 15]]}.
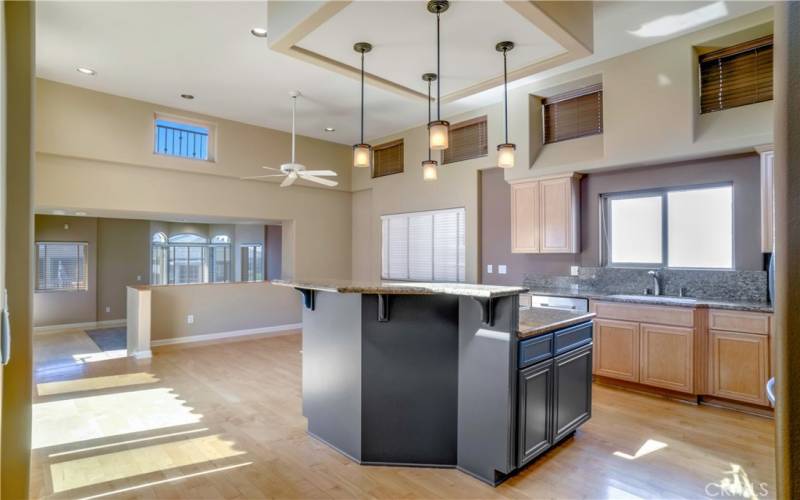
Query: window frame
{"points": [[663, 192], [85, 266], [210, 126]]}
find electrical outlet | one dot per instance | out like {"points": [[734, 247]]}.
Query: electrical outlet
{"points": [[573, 270], [138, 277], [108, 309], [190, 319], [501, 269], [489, 268]]}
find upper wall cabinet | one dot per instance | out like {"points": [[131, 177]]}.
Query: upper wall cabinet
{"points": [[767, 198], [545, 215]]}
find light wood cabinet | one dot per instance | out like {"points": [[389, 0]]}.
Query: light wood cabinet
{"points": [[767, 198], [667, 357], [616, 349], [739, 366], [545, 215], [525, 217]]}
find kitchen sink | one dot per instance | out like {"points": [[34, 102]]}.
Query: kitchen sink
{"points": [[656, 298]]}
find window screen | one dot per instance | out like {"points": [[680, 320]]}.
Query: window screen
{"points": [[573, 114], [388, 159], [736, 76], [467, 140], [61, 266], [424, 246]]}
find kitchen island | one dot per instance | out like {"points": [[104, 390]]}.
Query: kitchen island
{"points": [[429, 374]]}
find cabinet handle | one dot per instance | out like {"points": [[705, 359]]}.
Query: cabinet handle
{"points": [[5, 332]]}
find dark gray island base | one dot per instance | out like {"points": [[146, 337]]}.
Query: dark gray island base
{"points": [[440, 375]]}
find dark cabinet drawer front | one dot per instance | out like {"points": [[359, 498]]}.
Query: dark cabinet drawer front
{"points": [[536, 349], [573, 391], [573, 337]]}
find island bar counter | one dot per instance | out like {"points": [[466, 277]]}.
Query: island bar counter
{"points": [[421, 374]]}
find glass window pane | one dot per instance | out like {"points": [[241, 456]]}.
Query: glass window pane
{"points": [[420, 247], [636, 230], [700, 231]]}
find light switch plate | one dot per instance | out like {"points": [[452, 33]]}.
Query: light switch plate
{"points": [[489, 268], [138, 277], [108, 309], [573, 270], [190, 319], [501, 269]]}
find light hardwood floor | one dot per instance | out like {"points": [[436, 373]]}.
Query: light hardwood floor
{"points": [[224, 421]]}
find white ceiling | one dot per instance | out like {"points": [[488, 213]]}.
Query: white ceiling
{"points": [[399, 29], [155, 51]]}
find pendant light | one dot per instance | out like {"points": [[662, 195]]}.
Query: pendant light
{"points": [[362, 153], [505, 151], [439, 130], [429, 165]]}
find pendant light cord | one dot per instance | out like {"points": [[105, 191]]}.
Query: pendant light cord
{"points": [[429, 117], [438, 74], [362, 97], [505, 92]]}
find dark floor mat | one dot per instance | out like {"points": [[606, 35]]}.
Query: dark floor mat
{"points": [[109, 339]]}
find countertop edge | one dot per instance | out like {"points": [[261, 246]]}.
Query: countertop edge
{"points": [[412, 288], [526, 333]]}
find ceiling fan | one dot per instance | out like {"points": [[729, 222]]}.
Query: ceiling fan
{"points": [[293, 171]]}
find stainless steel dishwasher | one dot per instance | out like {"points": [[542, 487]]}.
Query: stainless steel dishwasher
{"points": [[575, 304]]}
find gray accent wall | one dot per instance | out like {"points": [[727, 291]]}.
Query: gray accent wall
{"points": [[742, 170]]}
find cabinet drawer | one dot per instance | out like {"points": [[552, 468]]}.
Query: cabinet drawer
{"points": [[536, 349], [573, 337], [676, 316], [738, 321]]}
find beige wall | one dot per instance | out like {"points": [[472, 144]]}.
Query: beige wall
{"points": [[649, 117], [123, 258], [219, 308]]}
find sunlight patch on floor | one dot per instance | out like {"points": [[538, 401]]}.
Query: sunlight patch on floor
{"points": [[650, 446], [98, 469], [116, 444], [93, 357], [93, 417], [94, 383]]}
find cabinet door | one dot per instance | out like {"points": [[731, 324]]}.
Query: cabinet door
{"points": [[616, 349], [534, 421], [767, 201], [525, 217], [739, 366], [573, 391], [667, 357], [558, 227]]}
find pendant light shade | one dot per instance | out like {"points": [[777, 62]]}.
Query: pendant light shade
{"points": [[429, 166], [362, 153], [439, 130], [507, 150]]}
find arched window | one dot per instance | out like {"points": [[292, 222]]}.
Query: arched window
{"points": [[189, 238], [160, 238], [221, 239]]}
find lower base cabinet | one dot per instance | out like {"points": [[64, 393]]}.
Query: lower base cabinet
{"points": [[555, 397], [739, 366]]}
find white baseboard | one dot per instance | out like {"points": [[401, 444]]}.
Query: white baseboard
{"points": [[273, 331], [43, 330]]}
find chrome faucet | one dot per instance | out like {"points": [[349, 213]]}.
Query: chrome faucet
{"points": [[656, 282]]}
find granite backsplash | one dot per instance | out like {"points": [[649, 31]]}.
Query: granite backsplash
{"points": [[744, 286]]}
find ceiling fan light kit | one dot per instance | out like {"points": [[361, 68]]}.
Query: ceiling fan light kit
{"points": [[507, 150], [362, 152], [438, 130]]}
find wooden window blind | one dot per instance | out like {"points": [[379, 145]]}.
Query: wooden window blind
{"points": [[736, 76], [573, 114], [467, 140], [388, 159]]}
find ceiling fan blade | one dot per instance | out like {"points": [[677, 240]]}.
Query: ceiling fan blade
{"points": [[289, 180], [319, 180], [270, 168], [321, 173], [261, 176]]}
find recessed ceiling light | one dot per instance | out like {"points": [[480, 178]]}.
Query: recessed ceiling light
{"points": [[86, 71], [187, 96], [259, 32], [330, 129]]}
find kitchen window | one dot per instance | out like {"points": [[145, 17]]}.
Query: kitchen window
{"points": [[689, 227], [424, 246], [61, 266]]}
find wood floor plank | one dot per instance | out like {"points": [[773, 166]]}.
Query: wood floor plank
{"points": [[232, 428]]}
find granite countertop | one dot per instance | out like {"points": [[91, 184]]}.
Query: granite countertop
{"points": [[539, 320], [403, 288], [662, 300]]}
